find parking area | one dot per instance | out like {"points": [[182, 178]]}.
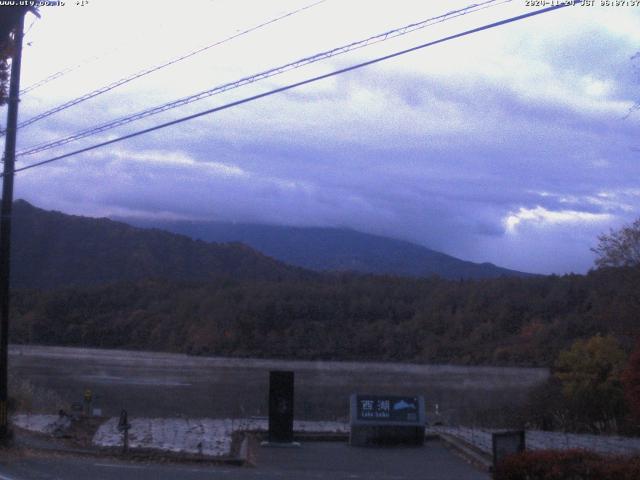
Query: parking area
{"points": [[312, 460], [337, 460]]}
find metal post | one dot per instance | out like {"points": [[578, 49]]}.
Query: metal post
{"points": [[5, 220], [124, 426]]}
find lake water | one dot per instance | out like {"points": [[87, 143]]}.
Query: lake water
{"points": [[168, 385]]}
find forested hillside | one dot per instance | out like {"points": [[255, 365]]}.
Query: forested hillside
{"points": [[335, 249], [95, 282], [52, 249], [514, 321]]}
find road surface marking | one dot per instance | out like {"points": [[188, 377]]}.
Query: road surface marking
{"points": [[144, 467], [112, 465]]}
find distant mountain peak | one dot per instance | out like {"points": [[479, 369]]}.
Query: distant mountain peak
{"points": [[335, 249]]}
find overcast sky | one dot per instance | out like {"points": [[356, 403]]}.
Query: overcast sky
{"points": [[512, 146]]}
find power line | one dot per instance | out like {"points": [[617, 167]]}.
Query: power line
{"points": [[86, 61], [261, 76], [48, 79], [300, 83], [71, 68], [61, 73], [155, 68]]}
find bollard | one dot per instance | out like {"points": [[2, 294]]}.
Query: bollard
{"points": [[123, 426], [88, 398]]}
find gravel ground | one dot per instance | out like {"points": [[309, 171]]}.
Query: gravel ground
{"points": [[213, 437], [37, 423], [200, 436], [203, 436]]}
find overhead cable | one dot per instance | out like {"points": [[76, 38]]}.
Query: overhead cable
{"points": [[299, 84], [59, 74], [147, 71], [260, 76]]}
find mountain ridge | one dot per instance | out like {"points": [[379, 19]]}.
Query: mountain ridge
{"points": [[51, 249], [335, 249]]}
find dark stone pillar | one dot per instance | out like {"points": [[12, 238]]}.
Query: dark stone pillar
{"points": [[280, 407]]}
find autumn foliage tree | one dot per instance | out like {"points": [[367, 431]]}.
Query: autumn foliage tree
{"points": [[631, 383], [590, 373]]}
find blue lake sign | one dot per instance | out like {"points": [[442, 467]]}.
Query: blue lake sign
{"points": [[385, 408], [387, 420]]}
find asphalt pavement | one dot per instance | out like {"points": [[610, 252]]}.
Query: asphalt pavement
{"points": [[312, 460]]}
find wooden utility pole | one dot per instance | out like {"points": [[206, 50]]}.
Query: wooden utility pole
{"points": [[5, 220]]}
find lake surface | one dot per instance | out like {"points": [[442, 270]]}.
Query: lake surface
{"points": [[168, 385]]}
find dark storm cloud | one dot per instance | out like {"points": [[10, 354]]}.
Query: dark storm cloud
{"points": [[485, 165]]}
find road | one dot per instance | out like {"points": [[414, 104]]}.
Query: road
{"points": [[313, 460]]}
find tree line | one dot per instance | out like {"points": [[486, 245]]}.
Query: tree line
{"points": [[507, 321]]}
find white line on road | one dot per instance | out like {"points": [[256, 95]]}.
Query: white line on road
{"points": [[5, 477], [111, 465], [146, 467]]}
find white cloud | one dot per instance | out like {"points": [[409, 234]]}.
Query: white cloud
{"points": [[542, 217], [596, 87], [151, 158]]}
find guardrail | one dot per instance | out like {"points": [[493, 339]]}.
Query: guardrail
{"points": [[539, 440]]}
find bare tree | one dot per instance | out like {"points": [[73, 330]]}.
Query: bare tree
{"points": [[619, 248]]}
